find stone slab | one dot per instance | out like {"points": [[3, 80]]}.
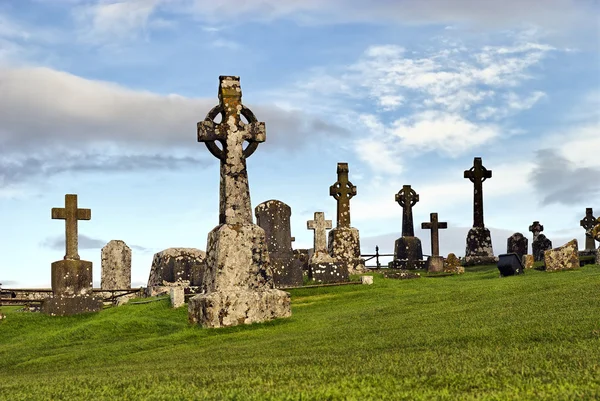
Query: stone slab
{"points": [[564, 257], [71, 277], [177, 264], [328, 272], [435, 264], [67, 306], [177, 295], [115, 266]]}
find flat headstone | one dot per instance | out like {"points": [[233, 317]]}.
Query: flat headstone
{"points": [[517, 243], [116, 266], [564, 257], [177, 264], [509, 264]]}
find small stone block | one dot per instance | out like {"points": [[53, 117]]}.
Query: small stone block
{"points": [[435, 264], [67, 306], [368, 280], [328, 272], [71, 277], [177, 295], [528, 261]]}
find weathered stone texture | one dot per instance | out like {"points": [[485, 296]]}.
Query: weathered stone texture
{"points": [[528, 261], [408, 253], [588, 223], [116, 266], [517, 243], [177, 264], [539, 246], [562, 258], [479, 249], [435, 264], [367, 280], [71, 214], [273, 216], [452, 265], [303, 256], [177, 295], [598, 256], [322, 267], [344, 246]]}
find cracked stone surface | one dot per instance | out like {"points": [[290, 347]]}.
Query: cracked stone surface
{"points": [[177, 264], [565, 257], [116, 266]]}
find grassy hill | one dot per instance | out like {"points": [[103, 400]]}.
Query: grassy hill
{"points": [[474, 336]]}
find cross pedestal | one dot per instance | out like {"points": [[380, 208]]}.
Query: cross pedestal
{"points": [[344, 241], [479, 249], [408, 253], [238, 282], [322, 267], [71, 277]]}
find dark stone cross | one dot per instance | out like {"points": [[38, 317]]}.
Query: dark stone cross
{"points": [[477, 175], [231, 132], [589, 222], [434, 226], [407, 198], [320, 227], [342, 191], [536, 228], [71, 215]]}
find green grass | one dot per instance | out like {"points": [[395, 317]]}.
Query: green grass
{"points": [[473, 336]]}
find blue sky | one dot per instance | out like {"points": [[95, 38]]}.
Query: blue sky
{"points": [[101, 99]]}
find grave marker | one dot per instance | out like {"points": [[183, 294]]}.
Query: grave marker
{"points": [[435, 263], [407, 249]]}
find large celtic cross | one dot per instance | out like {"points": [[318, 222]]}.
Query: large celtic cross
{"points": [[342, 191], [407, 198], [230, 133], [588, 223], [536, 228], [477, 175]]}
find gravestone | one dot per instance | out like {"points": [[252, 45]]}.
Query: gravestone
{"points": [[174, 265], [517, 243], [565, 257], [177, 296], [540, 243], [510, 264], [528, 261], [452, 265], [435, 263], [116, 266], [344, 241], [322, 267], [273, 216], [407, 249], [237, 282], [71, 277], [588, 223], [479, 249]]}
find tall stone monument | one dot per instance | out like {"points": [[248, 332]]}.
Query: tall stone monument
{"points": [[71, 277], [408, 253], [116, 266], [479, 249], [344, 241], [435, 263], [588, 223], [322, 267], [273, 216], [540, 243], [237, 283]]}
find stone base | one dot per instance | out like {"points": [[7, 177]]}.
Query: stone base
{"points": [[67, 306], [344, 246], [479, 249], [71, 278], [286, 272], [408, 264], [408, 248], [223, 309], [562, 258], [328, 272], [435, 264]]}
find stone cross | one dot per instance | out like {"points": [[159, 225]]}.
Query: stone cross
{"points": [[407, 198], [231, 132], [434, 226], [536, 228], [71, 215], [589, 222], [477, 175], [342, 191], [320, 226]]}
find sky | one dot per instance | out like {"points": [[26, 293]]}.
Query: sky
{"points": [[100, 98]]}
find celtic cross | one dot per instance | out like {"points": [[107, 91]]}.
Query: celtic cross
{"points": [[477, 175], [342, 191], [536, 228], [588, 223], [407, 198], [230, 133]]}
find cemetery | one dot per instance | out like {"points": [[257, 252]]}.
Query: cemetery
{"points": [[250, 316]]}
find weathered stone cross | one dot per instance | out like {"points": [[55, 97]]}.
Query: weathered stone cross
{"points": [[342, 191], [536, 228], [231, 132], [477, 175], [407, 198], [434, 226], [320, 226], [589, 222], [71, 215]]}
